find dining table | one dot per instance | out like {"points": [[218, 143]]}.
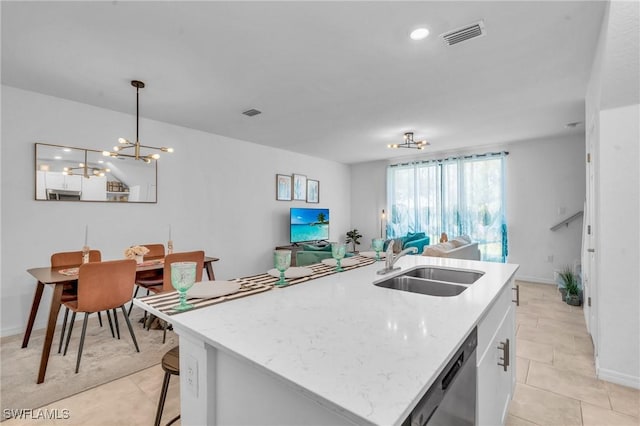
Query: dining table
{"points": [[57, 278]]}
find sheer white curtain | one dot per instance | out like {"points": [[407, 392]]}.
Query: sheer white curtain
{"points": [[455, 195]]}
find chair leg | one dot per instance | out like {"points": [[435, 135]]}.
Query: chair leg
{"points": [[64, 326], [100, 319], [173, 420], [110, 324], [115, 319], [66, 345], [163, 397], [84, 331], [164, 332], [135, 293], [133, 336]]}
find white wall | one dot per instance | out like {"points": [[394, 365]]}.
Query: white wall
{"points": [[545, 184], [612, 110], [618, 251], [217, 193]]}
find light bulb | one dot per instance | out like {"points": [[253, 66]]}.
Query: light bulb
{"points": [[155, 156], [123, 140], [106, 154], [80, 164], [107, 170], [116, 148]]}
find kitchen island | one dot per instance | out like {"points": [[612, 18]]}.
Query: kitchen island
{"points": [[335, 350]]}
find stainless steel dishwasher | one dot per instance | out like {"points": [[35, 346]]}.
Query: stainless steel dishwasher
{"points": [[451, 400]]}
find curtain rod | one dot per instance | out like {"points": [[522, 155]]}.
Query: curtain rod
{"points": [[461, 157]]}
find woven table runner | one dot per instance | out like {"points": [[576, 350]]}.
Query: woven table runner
{"points": [[164, 302], [319, 270]]}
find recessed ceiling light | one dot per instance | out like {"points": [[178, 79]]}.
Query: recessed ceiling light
{"points": [[419, 34], [57, 157]]}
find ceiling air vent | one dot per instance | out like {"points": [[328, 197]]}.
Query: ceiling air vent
{"points": [[251, 112], [465, 33]]}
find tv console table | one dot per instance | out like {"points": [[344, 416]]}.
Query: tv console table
{"points": [[294, 250]]}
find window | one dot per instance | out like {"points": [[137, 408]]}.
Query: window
{"points": [[459, 196]]}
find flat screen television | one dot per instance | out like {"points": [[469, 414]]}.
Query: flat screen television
{"points": [[308, 224]]}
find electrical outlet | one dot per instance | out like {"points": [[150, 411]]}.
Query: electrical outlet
{"points": [[562, 211], [191, 375], [550, 258]]}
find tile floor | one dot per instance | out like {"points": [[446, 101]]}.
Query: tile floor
{"points": [[556, 382], [555, 375]]}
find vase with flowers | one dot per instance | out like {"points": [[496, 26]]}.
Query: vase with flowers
{"points": [[136, 252]]}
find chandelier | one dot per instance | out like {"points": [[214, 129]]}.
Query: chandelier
{"points": [[125, 144], [85, 170], [409, 142]]}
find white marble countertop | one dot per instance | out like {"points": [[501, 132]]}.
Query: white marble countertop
{"points": [[367, 352]]}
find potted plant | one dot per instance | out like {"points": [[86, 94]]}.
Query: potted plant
{"points": [[353, 237], [571, 286]]}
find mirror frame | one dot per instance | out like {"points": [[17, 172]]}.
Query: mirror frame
{"points": [[72, 198]]}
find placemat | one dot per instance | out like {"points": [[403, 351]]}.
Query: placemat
{"points": [[164, 302]]}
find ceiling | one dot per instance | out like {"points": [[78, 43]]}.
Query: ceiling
{"points": [[337, 80]]}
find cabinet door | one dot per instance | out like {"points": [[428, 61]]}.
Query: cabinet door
{"points": [[55, 180], [73, 183], [495, 385], [94, 188]]}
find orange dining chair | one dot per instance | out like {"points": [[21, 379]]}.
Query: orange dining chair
{"points": [[102, 286], [148, 279], [70, 259], [191, 256]]}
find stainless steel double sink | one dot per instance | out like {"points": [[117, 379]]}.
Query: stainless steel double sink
{"points": [[433, 281]]}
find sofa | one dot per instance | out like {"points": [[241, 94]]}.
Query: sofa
{"points": [[310, 254], [457, 248], [418, 240]]}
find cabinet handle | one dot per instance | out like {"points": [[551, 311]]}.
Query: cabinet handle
{"points": [[517, 289], [504, 347]]}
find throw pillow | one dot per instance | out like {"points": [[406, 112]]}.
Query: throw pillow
{"points": [[458, 242], [413, 236], [432, 251]]}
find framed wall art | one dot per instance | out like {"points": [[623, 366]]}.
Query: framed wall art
{"points": [[283, 187], [299, 187], [313, 191]]}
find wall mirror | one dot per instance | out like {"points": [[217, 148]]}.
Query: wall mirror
{"points": [[65, 173]]}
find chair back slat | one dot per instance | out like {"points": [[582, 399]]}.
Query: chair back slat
{"points": [[105, 285], [73, 258], [156, 251], [191, 256]]}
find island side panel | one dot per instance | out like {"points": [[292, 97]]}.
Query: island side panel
{"points": [[197, 380], [248, 395]]}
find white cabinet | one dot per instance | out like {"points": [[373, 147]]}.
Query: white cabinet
{"points": [[94, 188], [58, 181], [496, 346]]}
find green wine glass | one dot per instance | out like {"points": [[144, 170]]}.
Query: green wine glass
{"points": [[338, 251], [183, 276], [282, 261], [377, 244]]}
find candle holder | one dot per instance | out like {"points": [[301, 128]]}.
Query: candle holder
{"points": [[169, 246], [85, 254]]}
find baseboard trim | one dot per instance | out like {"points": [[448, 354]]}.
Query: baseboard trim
{"points": [[535, 279], [618, 378]]}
